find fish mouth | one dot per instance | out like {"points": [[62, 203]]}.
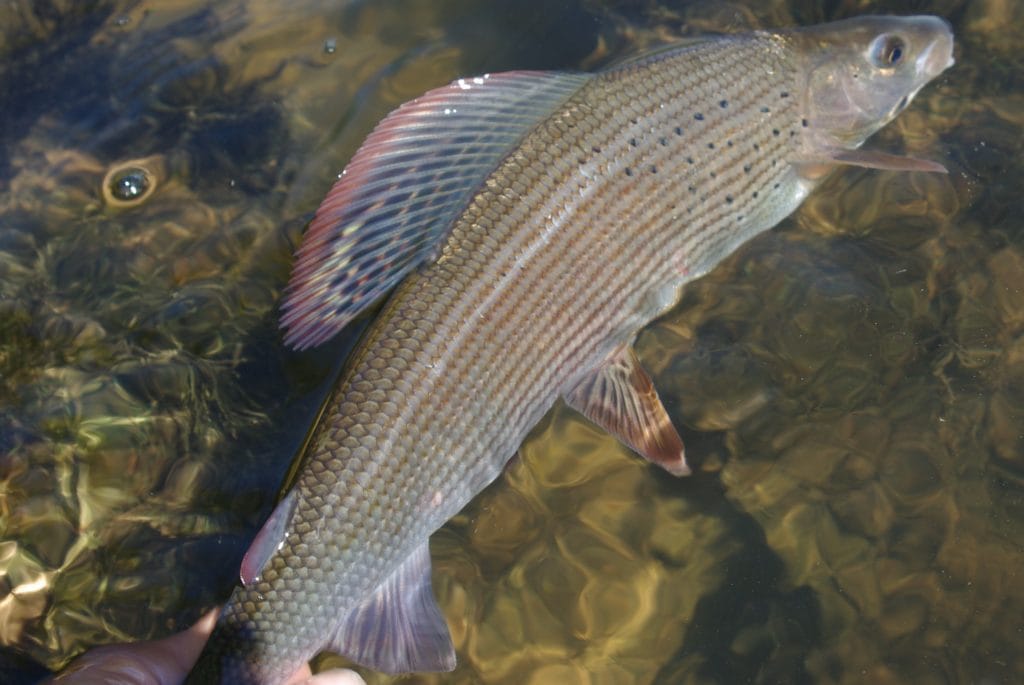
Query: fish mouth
{"points": [[938, 56]]}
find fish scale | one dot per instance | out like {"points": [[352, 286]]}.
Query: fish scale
{"points": [[591, 218]]}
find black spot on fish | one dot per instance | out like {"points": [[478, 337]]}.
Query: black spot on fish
{"points": [[784, 94], [728, 199], [679, 130], [629, 172], [775, 131], [712, 174], [756, 146], [746, 168], [729, 143], [792, 133], [755, 194], [698, 116], [596, 149], [692, 189], [776, 186], [689, 160], [632, 141], [711, 146], [803, 122], [723, 103], [633, 121], [663, 141], [654, 169], [765, 110]]}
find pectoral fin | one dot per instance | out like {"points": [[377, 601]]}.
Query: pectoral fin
{"points": [[398, 629], [620, 397], [872, 159]]}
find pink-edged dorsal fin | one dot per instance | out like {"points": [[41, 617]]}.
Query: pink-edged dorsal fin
{"points": [[397, 199], [620, 397], [399, 628], [267, 541], [873, 159]]}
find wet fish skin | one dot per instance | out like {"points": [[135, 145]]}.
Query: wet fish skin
{"points": [[584, 229]]}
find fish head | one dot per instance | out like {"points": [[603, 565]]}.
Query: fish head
{"points": [[862, 72]]}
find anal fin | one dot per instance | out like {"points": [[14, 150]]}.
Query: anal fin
{"points": [[398, 629], [620, 397]]}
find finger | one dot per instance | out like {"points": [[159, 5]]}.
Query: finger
{"points": [[155, 662], [300, 676], [338, 676], [176, 654]]}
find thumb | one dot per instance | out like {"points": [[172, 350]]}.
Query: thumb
{"points": [[337, 676]]}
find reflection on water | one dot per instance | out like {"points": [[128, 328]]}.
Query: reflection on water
{"points": [[850, 386]]}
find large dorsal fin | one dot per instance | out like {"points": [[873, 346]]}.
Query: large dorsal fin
{"points": [[620, 397], [399, 196], [399, 628]]}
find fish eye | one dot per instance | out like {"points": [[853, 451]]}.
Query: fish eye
{"points": [[887, 51]]}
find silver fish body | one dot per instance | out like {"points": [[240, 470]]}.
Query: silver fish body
{"points": [[529, 254]]}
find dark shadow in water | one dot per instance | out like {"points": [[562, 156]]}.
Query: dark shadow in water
{"points": [[750, 601], [16, 669], [39, 77], [123, 97], [558, 35]]}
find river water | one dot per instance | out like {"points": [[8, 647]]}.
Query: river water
{"points": [[850, 386]]}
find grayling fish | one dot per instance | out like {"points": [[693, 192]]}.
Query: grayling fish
{"points": [[533, 223]]}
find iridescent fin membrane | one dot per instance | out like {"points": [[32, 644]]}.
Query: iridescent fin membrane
{"points": [[267, 540], [399, 629], [397, 199], [620, 397], [872, 159]]}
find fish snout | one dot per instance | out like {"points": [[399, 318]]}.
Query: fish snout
{"points": [[938, 56]]}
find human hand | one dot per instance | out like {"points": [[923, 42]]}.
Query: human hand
{"points": [[167, 662]]}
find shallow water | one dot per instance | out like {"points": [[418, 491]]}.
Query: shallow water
{"points": [[849, 385]]}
